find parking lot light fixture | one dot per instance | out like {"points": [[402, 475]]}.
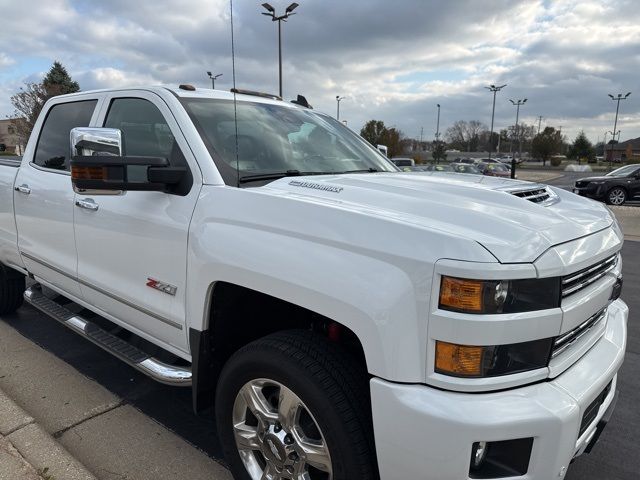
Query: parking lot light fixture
{"points": [[615, 123], [271, 12], [517, 103], [213, 79], [338, 98], [494, 89]]}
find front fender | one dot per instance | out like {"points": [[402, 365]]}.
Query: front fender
{"points": [[333, 268]]}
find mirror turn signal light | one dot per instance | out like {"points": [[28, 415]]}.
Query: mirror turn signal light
{"points": [[88, 173]]}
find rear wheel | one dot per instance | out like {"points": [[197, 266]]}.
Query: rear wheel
{"points": [[616, 196], [12, 286], [295, 406]]}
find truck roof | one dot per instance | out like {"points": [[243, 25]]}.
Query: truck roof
{"points": [[195, 93]]}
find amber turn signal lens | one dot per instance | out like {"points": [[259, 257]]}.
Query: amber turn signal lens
{"points": [[458, 360], [461, 294], [88, 173]]}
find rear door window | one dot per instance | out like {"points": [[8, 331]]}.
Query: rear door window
{"points": [[53, 149]]}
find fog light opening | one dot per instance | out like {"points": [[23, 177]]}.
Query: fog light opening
{"points": [[478, 454]]}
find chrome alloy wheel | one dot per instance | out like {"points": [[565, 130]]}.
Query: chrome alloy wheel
{"points": [[617, 196], [276, 434]]}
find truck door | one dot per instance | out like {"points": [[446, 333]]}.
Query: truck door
{"points": [[132, 248], [44, 197]]}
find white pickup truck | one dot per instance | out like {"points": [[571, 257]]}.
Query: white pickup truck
{"points": [[348, 321]]}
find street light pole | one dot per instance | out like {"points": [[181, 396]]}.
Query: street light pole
{"points": [[338, 98], [513, 159], [494, 89], [438, 124], [539, 123], [271, 12], [615, 123], [213, 79]]}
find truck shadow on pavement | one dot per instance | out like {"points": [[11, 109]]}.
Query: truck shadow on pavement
{"points": [[169, 406]]}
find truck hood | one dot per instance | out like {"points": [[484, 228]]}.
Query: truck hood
{"points": [[485, 209]]}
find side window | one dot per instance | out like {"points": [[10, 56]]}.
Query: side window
{"points": [[145, 133], [53, 147]]}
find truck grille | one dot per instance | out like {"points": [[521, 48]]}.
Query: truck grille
{"points": [[536, 195], [585, 277], [565, 340]]}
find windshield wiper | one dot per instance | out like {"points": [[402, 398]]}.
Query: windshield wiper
{"points": [[366, 170], [274, 176], [297, 173]]}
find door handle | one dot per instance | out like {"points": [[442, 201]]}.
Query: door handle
{"points": [[88, 204], [24, 188]]}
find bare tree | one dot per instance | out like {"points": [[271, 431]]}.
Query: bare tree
{"points": [[465, 135], [28, 103]]}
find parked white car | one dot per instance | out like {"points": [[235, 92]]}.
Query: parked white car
{"points": [[347, 320]]}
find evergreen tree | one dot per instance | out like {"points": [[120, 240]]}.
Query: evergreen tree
{"points": [[28, 102], [546, 144], [374, 132], [58, 82], [581, 148]]}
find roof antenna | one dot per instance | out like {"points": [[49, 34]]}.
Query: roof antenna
{"points": [[235, 110]]}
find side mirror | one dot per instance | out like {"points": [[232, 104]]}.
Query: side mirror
{"points": [[98, 164]]}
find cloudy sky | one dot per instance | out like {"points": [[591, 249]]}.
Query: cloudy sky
{"points": [[393, 61]]}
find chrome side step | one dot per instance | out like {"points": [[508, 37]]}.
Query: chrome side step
{"points": [[159, 371]]}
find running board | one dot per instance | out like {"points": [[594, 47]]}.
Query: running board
{"points": [[159, 371]]}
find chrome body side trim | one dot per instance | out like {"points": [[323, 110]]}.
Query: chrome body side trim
{"points": [[104, 292]]}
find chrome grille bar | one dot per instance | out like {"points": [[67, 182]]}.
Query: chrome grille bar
{"points": [[583, 278], [565, 340]]}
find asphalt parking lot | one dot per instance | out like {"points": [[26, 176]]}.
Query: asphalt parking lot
{"points": [[616, 457]]}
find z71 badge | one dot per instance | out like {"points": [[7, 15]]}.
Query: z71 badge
{"points": [[163, 287]]}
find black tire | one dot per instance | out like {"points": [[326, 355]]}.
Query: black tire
{"points": [[616, 196], [331, 384], [12, 286]]}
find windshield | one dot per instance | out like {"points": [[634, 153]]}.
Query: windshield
{"points": [[276, 140], [497, 167], [464, 168], [624, 171]]}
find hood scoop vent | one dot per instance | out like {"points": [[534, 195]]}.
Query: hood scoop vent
{"points": [[539, 194]]}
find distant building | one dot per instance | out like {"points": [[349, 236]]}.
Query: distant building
{"points": [[9, 138], [626, 151]]}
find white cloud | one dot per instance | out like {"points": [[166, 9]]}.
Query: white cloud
{"points": [[393, 61]]}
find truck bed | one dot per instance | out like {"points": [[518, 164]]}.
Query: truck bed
{"points": [[10, 162], [8, 232]]}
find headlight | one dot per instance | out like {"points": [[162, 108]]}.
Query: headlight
{"points": [[498, 296], [491, 361]]}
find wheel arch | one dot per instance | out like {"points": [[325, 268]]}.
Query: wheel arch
{"points": [[237, 315]]}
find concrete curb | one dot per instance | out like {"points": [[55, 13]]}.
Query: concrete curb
{"points": [[30, 452], [56, 418]]}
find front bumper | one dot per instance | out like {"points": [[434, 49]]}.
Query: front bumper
{"points": [[591, 191], [426, 433]]}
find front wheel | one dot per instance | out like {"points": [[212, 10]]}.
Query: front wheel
{"points": [[295, 406], [616, 196]]}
